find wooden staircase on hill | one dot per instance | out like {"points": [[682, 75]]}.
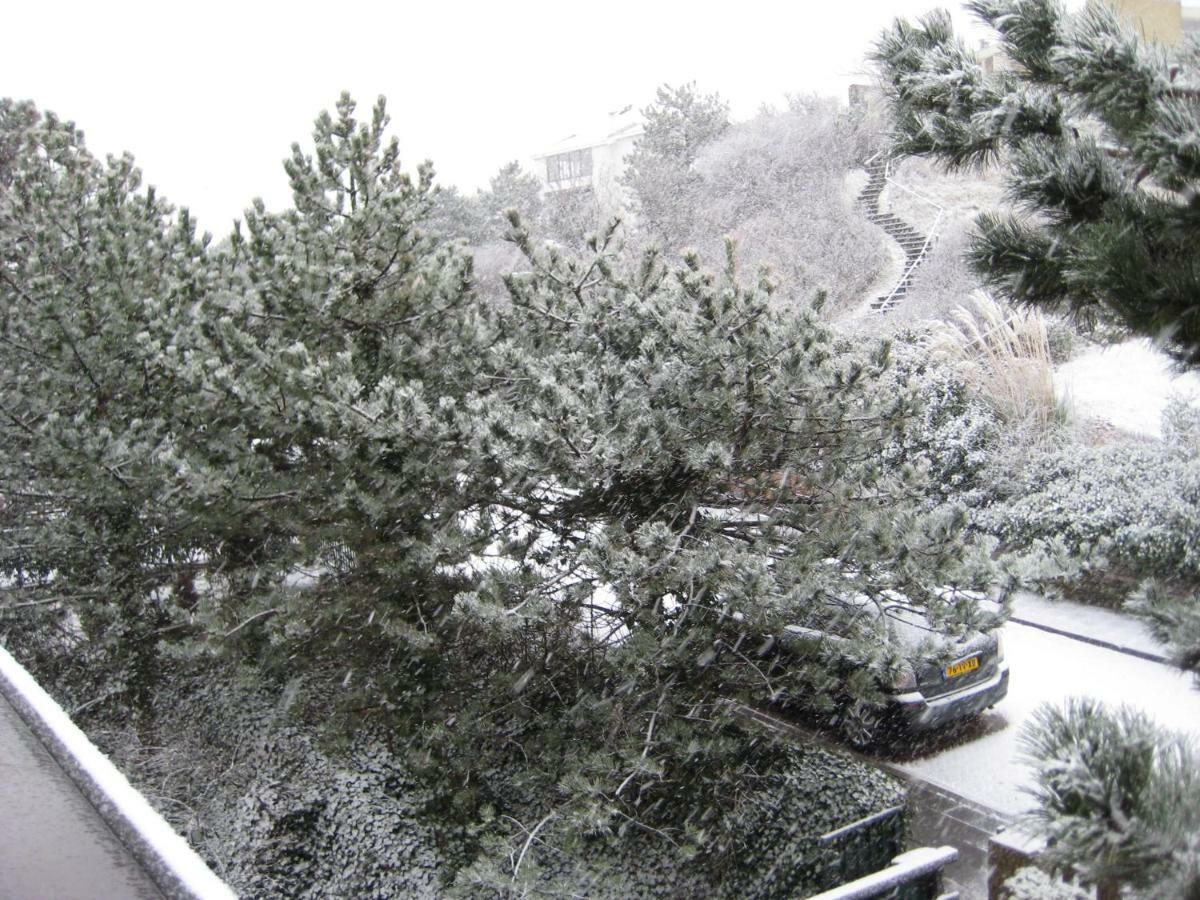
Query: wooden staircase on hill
{"points": [[914, 244]]}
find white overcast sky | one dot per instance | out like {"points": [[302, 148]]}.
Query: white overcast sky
{"points": [[209, 96]]}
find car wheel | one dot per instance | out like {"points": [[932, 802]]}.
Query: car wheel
{"points": [[860, 724]]}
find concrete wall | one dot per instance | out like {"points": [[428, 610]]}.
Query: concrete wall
{"points": [[1157, 20], [1191, 20]]}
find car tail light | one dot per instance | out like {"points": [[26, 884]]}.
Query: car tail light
{"points": [[904, 678], [999, 647]]}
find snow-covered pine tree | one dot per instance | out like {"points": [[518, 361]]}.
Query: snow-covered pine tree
{"points": [[349, 341], [658, 173], [480, 219], [1096, 132], [1118, 799], [510, 188], [99, 290], [685, 466], [691, 464]]}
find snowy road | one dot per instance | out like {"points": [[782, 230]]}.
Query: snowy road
{"points": [[981, 762]]}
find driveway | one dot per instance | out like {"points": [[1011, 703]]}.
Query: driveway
{"points": [[982, 763]]}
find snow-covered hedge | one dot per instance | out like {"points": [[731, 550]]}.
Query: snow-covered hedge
{"points": [[277, 810], [1031, 883], [1135, 505], [761, 844]]}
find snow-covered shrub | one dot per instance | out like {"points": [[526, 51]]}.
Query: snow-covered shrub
{"points": [[1112, 524], [277, 807], [318, 824], [1174, 618], [1118, 798], [760, 843], [1062, 340], [954, 432], [1181, 426], [1132, 505], [770, 847], [1032, 883]]}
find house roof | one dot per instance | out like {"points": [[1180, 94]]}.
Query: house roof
{"points": [[620, 124]]}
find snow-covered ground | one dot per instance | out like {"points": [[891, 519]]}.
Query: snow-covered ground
{"points": [[1127, 384], [983, 762]]}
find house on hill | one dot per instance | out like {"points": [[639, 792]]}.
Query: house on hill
{"points": [[592, 159]]}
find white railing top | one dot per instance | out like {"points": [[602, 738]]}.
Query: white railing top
{"points": [[916, 194], [169, 860], [905, 868]]}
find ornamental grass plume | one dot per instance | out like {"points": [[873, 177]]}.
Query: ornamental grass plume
{"points": [[1005, 355]]}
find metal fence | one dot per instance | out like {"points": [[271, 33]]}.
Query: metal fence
{"points": [[873, 845]]}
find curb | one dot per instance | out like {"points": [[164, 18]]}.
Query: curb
{"points": [[174, 867], [1096, 642]]}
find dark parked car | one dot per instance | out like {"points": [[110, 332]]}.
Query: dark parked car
{"points": [[941, 679]]}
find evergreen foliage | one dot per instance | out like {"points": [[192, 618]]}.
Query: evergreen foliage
{"points": [[1031, 883], [542, 543], [348, 344], [482, 219], [1097, 135], [101, 286], [956, 434], [1118, 798], [658, 173]]}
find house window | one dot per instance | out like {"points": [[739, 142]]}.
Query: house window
{"points": [[568, 166]]}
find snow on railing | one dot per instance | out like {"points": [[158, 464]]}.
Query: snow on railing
{"points": [[176, 869], [922, 864]]}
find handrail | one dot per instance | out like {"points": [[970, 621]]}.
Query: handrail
{"points": [[923, 862], [884, 304], [861, 823], [911, 267], [917, 194]]}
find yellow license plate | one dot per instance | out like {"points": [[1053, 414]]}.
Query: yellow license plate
{"points": [[962, 668]]}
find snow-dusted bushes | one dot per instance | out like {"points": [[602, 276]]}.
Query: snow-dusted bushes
{"points": [[316, 823], [955, 433], [1112, 524], [1032, 883], [775, 184], [1123, 506], [762, 842], [277, 806]]}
